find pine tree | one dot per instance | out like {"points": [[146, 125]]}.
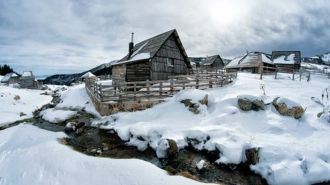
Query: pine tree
{"points": [[5, 69]]}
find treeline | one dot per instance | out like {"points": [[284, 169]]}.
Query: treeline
{"points": [[5, 69]]}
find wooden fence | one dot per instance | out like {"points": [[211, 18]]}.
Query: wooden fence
{"points": [[155, 90]]}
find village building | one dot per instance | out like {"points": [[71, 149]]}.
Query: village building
{"points": [[212, 62], [287, 61], [313, 60], [28, 80], [156, 58], [10, 78], [254, 62], [89, 76]]}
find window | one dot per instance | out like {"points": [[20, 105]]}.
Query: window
{"points": [[170, 62]]}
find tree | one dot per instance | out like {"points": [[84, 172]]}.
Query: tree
{"points": [[5, 69]]}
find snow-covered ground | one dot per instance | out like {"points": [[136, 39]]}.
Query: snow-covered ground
{"points": [[19, 104], [291, 151]]}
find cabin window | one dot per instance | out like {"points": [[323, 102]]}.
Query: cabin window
{"points": [[170, 62]]}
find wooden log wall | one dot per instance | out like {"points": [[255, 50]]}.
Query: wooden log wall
{"points": [[160, 70], [139, 71]]}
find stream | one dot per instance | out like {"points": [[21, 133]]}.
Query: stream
{"points": [[106, 143]]}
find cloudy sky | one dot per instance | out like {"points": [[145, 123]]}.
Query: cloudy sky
{"points": [[68, 36]]}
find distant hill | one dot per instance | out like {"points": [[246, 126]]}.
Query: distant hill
{"points": [[67, 79]]}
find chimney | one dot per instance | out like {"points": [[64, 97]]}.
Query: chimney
{"points": [[130, 47]]}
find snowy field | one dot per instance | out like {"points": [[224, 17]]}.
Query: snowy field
{"points": [[291, 151]]}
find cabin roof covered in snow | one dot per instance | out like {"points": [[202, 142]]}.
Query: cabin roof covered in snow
{"points": [[253, 59], [148, 48]]}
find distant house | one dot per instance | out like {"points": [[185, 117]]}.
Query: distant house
{"points": [[10, 78], [88, 75], [212, 62], [313, 60], [252, 62], [156, 58], [27, 80], [287, 61]]}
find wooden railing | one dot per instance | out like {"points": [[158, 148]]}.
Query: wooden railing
{"points": [[155, 90]]}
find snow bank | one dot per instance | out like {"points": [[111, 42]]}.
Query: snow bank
{"points": [[57, 116], [76, 98], [29, 155]]}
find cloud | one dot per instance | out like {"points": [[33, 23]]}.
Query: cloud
{"points": [[67, 36]]}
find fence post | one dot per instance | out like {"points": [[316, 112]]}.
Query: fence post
{"points": [[197, 82], [210, 83], [101, 93], [293, 73], [261, 70], [148, 87], [161, 88], [134, 91], [171, 86], [276, 74], [94, 89], [309, 76]]}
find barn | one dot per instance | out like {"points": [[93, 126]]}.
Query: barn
{"points": [[156, 58], [212, 62], [287, 61], [253, 62], [27, 80]]}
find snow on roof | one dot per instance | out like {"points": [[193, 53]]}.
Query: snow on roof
{"points": [[27, 73], [137, 57], [285, 59], [266, 59], [249, 60], [8, 76], [87, 75]]}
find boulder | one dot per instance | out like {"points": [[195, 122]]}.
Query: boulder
{"points": [[288, 107], [173, 149], [252, 155], [167, 148], [193, 107], [248, 103]]}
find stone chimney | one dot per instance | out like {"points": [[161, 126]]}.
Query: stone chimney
{"points": [[130, 47]]}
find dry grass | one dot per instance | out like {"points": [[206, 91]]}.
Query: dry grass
{"points": [[189, 175]]}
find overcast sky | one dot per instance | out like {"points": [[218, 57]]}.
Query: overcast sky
{"points": [[68, 36]]}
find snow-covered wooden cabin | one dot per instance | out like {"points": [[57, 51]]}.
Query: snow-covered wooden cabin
{"points": [[156, 58], [27, 80], [287, 61], [88, 75], [252, 62], [212, 62], [10, 78]]}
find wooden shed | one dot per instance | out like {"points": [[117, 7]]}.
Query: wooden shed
{"points": [[156, 58], [27, 80], [252, 62], [10, 78], [212, 62], [287, 61]]}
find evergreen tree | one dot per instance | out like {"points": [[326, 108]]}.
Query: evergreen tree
{"points": [[5, 69]]}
